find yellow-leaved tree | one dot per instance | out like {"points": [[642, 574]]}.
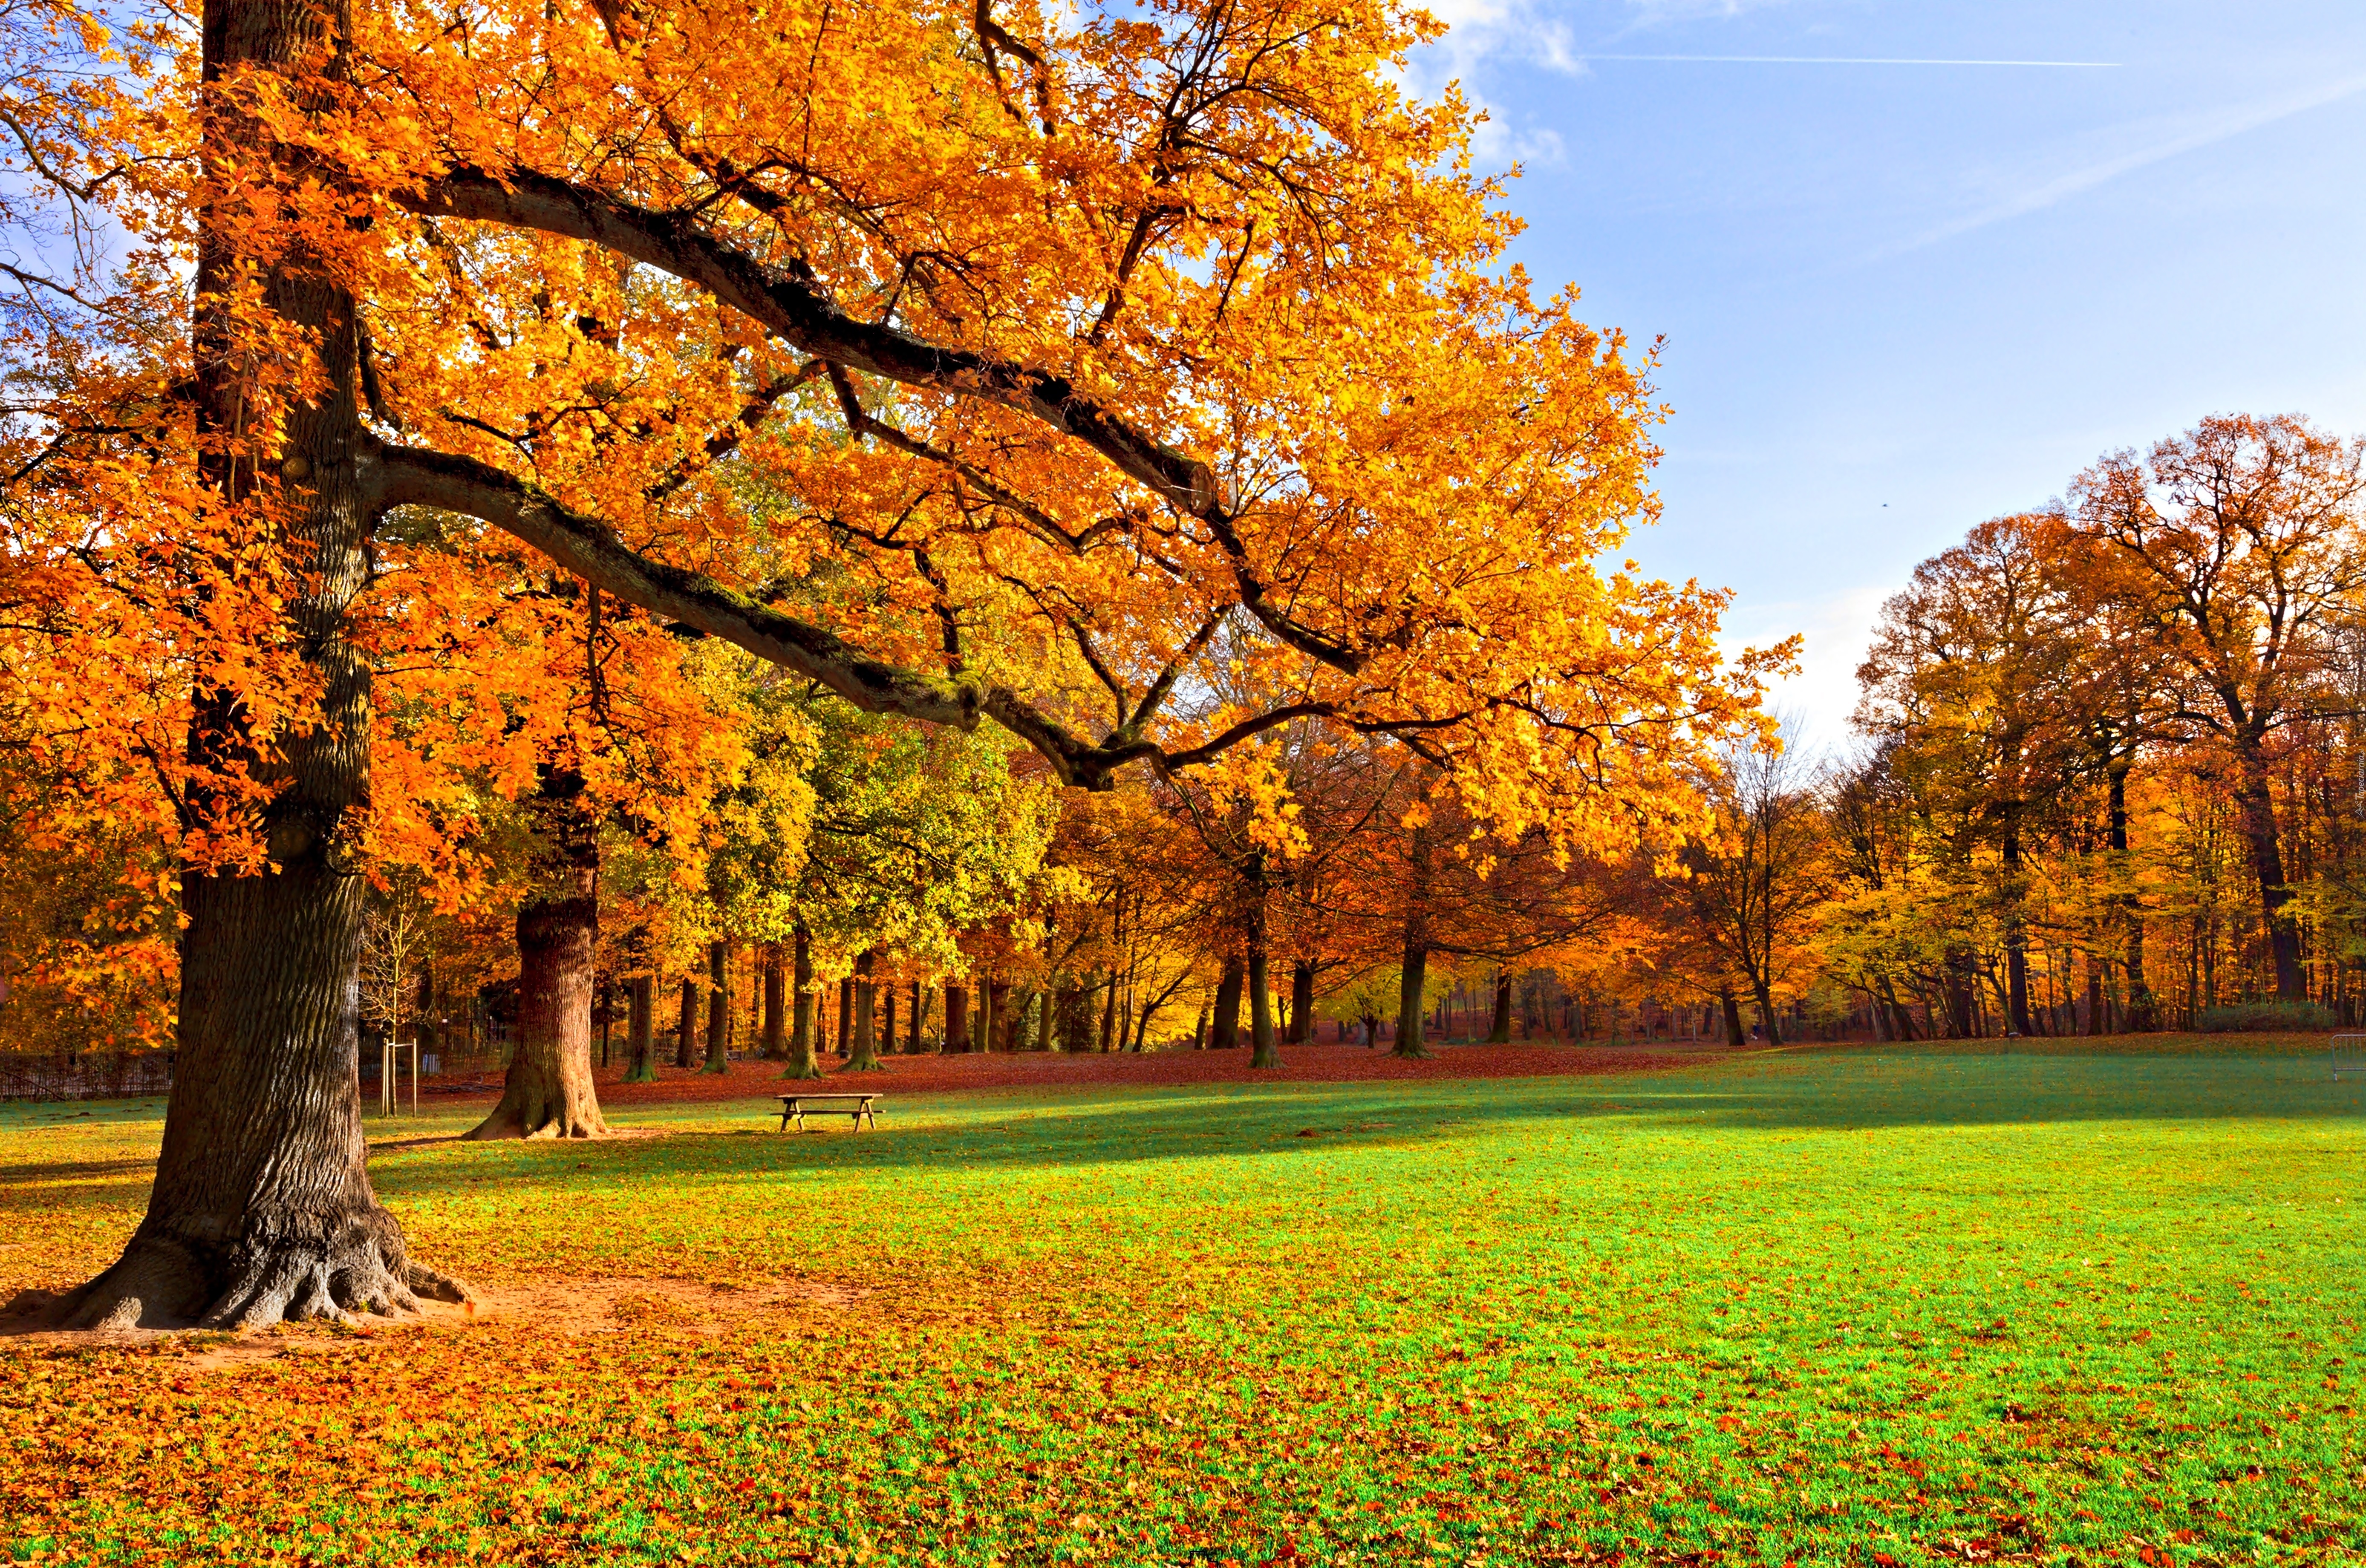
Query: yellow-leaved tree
{"points": [[1064, 344]]}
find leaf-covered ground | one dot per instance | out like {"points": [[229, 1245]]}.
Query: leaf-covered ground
{"points": [[1842, 1307]]}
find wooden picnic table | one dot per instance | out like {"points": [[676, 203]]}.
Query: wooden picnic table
{"points": [[857, 1104]]}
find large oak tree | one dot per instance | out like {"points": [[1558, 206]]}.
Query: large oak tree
{"points": [[1072, 337]]}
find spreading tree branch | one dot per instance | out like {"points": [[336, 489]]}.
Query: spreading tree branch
{"points": [[591, 549], [798, 311]]}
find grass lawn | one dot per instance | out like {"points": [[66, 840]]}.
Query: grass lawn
{"points": [[1833, 1306]]}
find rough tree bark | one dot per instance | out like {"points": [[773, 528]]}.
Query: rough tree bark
{"points": [[2016, 933], [1412, 978], [994, 1009], [640, 1030], [2256, 804], [1734, 1033], [1961, 1024], [2144, 1013], [1302, 1002], [956, 1019], [1264, 1051], [262, 1207], [775, 1004], [1228, 1005], [1413, 971], [686, 1030], [1499, 1028], [1767, 1018], [866, 1042], [804, 1061], [719, 1007], [549, 1092]]}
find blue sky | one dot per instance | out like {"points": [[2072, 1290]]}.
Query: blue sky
{"points": [[1901, 299]]}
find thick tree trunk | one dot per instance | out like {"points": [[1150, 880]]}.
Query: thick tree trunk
{"points": [[262, 1206], [685, 1053], [1200, 1029], [1765, 998], [1412, 981], [719, 1007], [1414, 973], [866, 1042], [956, 1019], [995, 1015], [1734, 1033], [887, 1020], [1228, 1005], [1265, 1050], [2144, 1013], [804, 1056], [549, 1092], [1961, 1023], [2016, 936], [1499, 1028], [640, 1045], [776, 1044], [2256, 804], [1302, 1002], [845, 1014]]}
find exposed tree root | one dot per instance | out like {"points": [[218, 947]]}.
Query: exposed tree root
{"points": [[531, 1110], [300, 1270]]}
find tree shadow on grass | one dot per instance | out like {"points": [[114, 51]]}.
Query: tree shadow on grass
{"points": [[1103, 1127], [16, 1175]]}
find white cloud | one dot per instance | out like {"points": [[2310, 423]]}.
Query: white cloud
{"points": [[1665, 13], [1480, 32], [1483, 32], [2189, 137]]}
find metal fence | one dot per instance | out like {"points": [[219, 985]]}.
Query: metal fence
{"points": [[85, 1074]]}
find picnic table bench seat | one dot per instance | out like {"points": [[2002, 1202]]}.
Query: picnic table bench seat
{"points": [[856, 1103]]}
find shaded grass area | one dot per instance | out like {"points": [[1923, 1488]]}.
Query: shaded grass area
{"points": [[2297, 1043], [1824, 1307]]}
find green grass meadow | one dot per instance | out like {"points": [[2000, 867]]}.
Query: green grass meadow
{"points": [[1876, 1306]]}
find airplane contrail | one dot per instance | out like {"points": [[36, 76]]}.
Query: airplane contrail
{"points": [[1850, 59]]}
